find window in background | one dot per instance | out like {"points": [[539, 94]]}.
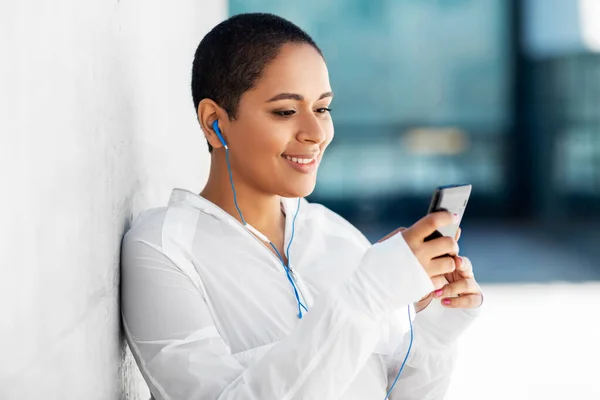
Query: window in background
{"points": [[567, 90], [578, 137], [561, 40]]}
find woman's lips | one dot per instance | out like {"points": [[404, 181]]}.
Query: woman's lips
{"points": [[303, 167]]}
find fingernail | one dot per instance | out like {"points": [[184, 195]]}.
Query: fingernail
{"points": [[446, 302], [438, 292], [455, 218]]}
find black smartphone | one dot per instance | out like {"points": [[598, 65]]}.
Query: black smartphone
{"points": [[453, 198]]}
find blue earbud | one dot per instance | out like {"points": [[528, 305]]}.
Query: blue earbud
{"points": [[215, 126]]}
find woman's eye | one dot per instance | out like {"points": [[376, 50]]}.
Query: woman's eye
{"points": [[285, 113], [323, 110]]}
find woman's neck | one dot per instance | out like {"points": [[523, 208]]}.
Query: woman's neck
{"points": [[260, 210]]}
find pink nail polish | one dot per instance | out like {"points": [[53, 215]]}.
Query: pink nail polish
{"points": [[446, 302], [438, 292]]}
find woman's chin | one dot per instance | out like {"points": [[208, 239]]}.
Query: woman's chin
{"points": [[301, 189]]}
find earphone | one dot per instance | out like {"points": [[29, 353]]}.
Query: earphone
{"points": [[215, 126]]}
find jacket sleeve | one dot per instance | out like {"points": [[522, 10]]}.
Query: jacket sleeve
{"points": [[429, 367], [183, 357]]}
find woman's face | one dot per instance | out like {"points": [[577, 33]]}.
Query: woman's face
{"points": [[283, 126]]}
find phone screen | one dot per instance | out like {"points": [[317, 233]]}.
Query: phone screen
{"points": [[453, 198]]}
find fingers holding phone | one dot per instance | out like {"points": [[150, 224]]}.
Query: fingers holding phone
{"points": [[436, 235], [428, 252]]}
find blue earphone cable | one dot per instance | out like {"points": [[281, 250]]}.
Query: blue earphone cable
{"points": [[287, 270], [286, 267], [405, 357], [233, 186], [287, 250], [287, 254]]}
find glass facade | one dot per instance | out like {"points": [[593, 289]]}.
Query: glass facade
{"points": [[567, 117]]}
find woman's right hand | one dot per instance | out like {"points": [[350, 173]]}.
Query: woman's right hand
{"points": [[428, 252]]}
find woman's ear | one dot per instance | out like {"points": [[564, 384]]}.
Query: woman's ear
{"points": [[208, 113]]}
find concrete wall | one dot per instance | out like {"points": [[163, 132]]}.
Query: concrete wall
{"points": [[96, 124]]}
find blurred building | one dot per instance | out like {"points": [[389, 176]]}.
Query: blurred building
{"points": [[501, 94]]}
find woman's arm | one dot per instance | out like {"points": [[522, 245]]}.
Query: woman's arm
{"points": [[429, 367], [436, 330], [182, 355]]}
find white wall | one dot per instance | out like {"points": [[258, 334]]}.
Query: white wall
{"points": [[96, 124]]}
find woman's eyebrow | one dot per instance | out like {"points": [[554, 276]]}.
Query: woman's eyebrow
{"points": [[295, 96]]}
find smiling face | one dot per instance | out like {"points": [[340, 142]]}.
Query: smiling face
{"points": [[283, 125]]}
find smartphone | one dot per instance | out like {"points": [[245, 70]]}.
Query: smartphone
{"points": [[453, 198]]}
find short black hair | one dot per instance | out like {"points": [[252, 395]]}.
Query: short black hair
{"points": [[231, 57]]}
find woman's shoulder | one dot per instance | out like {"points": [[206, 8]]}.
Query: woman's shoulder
{"points": [[147, 225]]}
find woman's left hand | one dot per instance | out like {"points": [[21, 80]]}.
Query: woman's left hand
{"points": [[458, 289], [462, 290]]}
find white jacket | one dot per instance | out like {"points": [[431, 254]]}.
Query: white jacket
{"points": [[209, 313]]}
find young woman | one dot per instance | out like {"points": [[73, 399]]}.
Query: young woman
{"points": [[246, 290]]}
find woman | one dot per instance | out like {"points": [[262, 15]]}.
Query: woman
{"points": [[246, 290]]}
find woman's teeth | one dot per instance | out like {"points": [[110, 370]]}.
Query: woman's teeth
{"points": [[300, 160]]}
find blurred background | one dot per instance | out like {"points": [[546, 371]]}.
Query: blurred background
{"points": [[97, 124], [502, 94]]}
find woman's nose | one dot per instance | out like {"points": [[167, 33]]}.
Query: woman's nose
{"points": [[312, 130]]}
